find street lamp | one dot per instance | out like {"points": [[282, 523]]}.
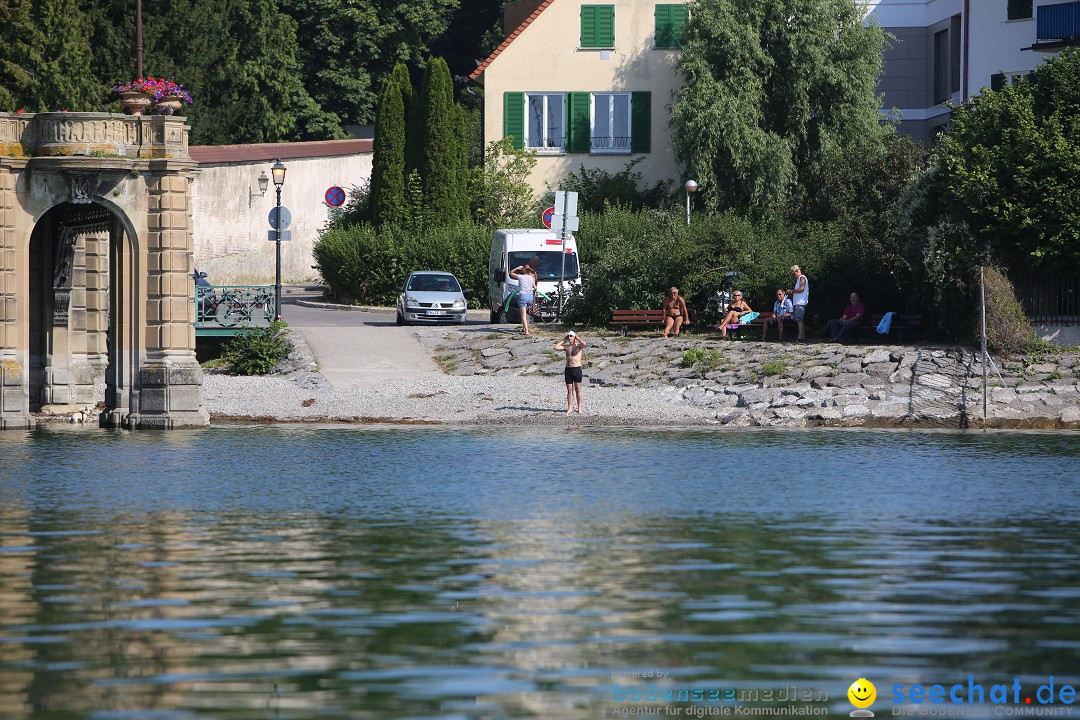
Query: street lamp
{"points": [[278, 171], [690, 186], [264, 181]]}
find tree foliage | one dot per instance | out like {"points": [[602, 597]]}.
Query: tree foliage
{"points": [[442, 167], [388, 166], [348, 49], [503, 195], [771, 90], [45, 57], [1010, 167]]}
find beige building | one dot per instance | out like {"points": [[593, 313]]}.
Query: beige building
{"points": [[586, 84]]}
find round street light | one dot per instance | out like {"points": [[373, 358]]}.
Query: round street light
{"points": [[691, 187]]}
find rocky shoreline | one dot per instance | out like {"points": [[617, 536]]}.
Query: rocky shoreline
{"points": [[752, 383]]}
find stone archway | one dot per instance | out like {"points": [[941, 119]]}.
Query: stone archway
{"points": [[95, 264]]}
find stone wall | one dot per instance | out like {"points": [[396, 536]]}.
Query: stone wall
{"points": [[230, 216]]}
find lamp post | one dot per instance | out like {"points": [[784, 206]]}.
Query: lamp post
{"points": [[691, 187], [278, 171]]}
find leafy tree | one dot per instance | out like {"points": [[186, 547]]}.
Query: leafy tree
{"points": [[347, 49], [441, 168], [599, 189], [503, 194], [771, 89], [45, 57], [1010, 168], [388, 167]]}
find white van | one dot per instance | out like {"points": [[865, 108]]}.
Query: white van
{"points": [[511, 248]]}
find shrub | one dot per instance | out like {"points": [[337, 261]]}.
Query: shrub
{"points": [[599, 190], [1007, 327], [256, 352], [360, 263]]}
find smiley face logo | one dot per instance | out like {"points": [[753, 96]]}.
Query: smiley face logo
{"points": [[862, 694]]}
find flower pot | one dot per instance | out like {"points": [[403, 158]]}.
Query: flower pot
{"points": [[168, 105], [135, 103]]}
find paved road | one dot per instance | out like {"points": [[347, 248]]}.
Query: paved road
{"points": [[354, 347]]}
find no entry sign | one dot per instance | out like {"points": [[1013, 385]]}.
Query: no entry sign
{"points": [[335, 196]]}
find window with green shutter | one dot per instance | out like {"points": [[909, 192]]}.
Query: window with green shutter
{"points": [[670, 25], [597, 26], [514, 118]]}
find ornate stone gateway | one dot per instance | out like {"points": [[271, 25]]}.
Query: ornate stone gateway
{"points": [[95, 270]]}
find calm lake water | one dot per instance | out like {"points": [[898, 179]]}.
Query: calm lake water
{"points": [[301, 572]]}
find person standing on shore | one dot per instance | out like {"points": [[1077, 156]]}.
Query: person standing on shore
{"points": [[573, 346], [674, 312], [526, 277], [800, 298]]}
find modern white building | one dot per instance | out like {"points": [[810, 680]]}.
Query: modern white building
{"points": [[949, 50]]}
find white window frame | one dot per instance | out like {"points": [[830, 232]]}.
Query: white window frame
{"points": [[613, 97], [543, 148]]}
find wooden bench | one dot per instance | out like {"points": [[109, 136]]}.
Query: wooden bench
{"points": [[900, 323], [637, 318], [757, 323]]}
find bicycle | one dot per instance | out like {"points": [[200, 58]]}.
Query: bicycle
{"points": [[233, 307], [549, 307]]}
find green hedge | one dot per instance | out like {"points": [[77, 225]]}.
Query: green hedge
{"points": [[363, 265]]}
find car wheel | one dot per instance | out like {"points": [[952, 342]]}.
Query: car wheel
{"points": [[400, 320], [501, 317]]}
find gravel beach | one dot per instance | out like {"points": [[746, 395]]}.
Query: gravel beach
{"points": [[493, 375]]}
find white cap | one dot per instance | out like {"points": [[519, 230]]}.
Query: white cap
{"points": [[570, 334]]}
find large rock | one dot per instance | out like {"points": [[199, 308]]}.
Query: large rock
{"points": [[879, 355], [847, 380]]}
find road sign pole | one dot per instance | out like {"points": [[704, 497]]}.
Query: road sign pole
{"points": [[562, 271], [277, 264]]}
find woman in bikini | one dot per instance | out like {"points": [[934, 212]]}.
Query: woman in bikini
{"points": [[675, 313], [736, 310]]}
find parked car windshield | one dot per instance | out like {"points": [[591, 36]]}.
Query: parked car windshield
{"points": [[550, 263], [434, 283]]}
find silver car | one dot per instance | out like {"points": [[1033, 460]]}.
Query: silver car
{"points": [[431, 297]]}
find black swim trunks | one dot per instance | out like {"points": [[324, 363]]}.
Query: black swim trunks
{"points": [[572, 375]]}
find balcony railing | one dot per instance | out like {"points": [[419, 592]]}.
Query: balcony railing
{"points": [[1058, 23], [610, 143], [553, 142]]}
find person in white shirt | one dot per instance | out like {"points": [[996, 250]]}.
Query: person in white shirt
{"points": [[800, 298]]}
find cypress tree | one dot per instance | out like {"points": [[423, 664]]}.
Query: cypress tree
{"points": [[388, 202], [441, 163]]}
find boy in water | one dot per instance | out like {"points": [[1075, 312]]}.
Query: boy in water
{"points": [[573, 346]]}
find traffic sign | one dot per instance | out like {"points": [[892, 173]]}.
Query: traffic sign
{"points": [[546, 217], [286, 217], [335, 196], [286, 235]]}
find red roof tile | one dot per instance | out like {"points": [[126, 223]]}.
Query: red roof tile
{"points": [[220, 154], [510, 38]]}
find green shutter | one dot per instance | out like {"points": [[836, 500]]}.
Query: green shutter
{"points": [[670, 25], [598, 26], [577, 129], [641, 122], [662, 14], [514, 118]]}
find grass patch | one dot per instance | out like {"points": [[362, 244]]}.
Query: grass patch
{"points": [[700, 358], [215, 364], [1056, 375], [774, 367], [448, 363]]}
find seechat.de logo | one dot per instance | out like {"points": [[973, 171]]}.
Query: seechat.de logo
{"points": [[862, 694]]}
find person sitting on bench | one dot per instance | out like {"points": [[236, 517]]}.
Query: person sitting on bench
{"points": [[736, 310], [782, 310], [852, 316], [675, 312]]}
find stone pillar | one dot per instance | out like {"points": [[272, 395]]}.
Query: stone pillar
{"points": [[14, 398], [170, 379]]}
